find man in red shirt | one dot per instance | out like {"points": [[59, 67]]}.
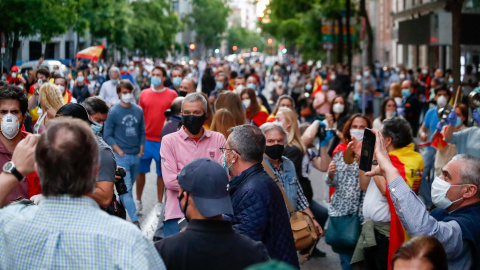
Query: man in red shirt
{"points": [[154, 102]]}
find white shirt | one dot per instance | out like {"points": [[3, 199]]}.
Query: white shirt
{"points": [[375, 205], [109, 93]]}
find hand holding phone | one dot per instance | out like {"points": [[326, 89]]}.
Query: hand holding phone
{"points": [[368, 148]]}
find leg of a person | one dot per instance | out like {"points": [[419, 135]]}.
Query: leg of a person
{"points": [[144, 168], [127, 198], [345, 260], [428, 156], [376, 257], [320, 212], [170, 227]]}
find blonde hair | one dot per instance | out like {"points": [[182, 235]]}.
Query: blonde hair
{"points": [[294, 133], [50, 97], [232, 102], [395, 90], [222, 121]]}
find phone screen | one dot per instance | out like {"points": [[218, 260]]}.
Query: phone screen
{"points": [[368, 146]]}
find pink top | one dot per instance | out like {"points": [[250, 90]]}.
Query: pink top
{"points": [[177, 150], [22, 189], [154, 105]]}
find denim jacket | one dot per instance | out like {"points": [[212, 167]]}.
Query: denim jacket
{"points": [[288, 178]]}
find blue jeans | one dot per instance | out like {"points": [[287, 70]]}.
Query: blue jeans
{"points": [[345, 260], [131, 163], [170, 227], [428, 156], [320, 212]]}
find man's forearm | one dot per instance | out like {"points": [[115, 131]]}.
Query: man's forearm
{"points": [[7, 183]]}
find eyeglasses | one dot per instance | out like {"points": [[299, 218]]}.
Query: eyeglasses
{"points": [[223, 150]]}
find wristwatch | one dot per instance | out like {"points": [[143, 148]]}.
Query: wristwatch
{"points": [[9, 167], [374, 162]]}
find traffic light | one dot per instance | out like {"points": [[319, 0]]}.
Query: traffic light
{"points": [[254, 49], [234, 48], [217, 51], [192, 46]]}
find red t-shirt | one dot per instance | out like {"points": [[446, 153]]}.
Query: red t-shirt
{"points": [[154, 105]]}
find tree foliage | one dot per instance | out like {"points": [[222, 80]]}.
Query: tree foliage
{"points": [[244, 39]]}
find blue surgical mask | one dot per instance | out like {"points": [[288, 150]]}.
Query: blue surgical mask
{"points": [[406, 93], [308, 87], [224, 164], [177, 81], [252, 86], [3, 78], [156, 81], [145, 74], [450, 80], [459, 122], [220, 86], [90, 77], [114, 82], [124, 69], [96, 127]]}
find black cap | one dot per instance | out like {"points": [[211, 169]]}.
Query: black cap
{"points": [[207, 182], [74, 110]]}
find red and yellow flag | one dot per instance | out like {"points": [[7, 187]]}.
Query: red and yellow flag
{"points": [[91, 53], [317, 86]]}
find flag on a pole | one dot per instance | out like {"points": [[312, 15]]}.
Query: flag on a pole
{"points": [[91, 52]]}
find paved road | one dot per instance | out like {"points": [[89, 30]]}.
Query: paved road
{"points": [[148, 219]]}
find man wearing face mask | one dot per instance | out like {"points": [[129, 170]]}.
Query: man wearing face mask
{"points": [[380, 219], [154, 102], [442, 95], [176, 77], [180, 148], [13, 110], [455, 193], [81, 90], [221, 82], [412, 105], [42, 75], [187, 86], [61, 83], [125, 133], [108, 91]]}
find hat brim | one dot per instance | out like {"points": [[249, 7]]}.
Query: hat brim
{"points": [[213, 207]]}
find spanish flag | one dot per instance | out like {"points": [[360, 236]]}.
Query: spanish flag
{"points": [[317, 86], [92, 53], [410, 166]]}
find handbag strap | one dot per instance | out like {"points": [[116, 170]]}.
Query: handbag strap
{"points": [[275, 178]]}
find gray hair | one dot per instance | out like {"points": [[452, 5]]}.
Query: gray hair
{"points": [[269, 126], [95, 105], [470, 171], [248, 141], [194, 82], [192, 97], [114, 70], [399, 130]]}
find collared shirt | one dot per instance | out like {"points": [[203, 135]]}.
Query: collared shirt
{"points": [[108, 92], [177, 150], [416, 221], [71, 233]]}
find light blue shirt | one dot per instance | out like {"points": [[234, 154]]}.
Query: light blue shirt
{"points": [[467, 141], [417, 221], [71, 233]]}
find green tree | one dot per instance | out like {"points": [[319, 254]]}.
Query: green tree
{"points": [[209, 21], [244, 39], [153, 30]]}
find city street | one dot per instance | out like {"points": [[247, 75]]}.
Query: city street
{"points": [[148, 219]]}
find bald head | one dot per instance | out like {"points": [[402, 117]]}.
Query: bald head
{"points": [[188, 85], [407, 85], [176, 106]]}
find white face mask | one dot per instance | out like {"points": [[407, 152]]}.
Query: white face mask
{"points": [[10, 126], [333, 77], [366, 73], [439, 193], [338, 108], [401, 76], [357, 134], [442, 101], [14, 75], [358, 77], [246, 103], [61, 88], [127, 98], [279, 83], [240, 88]]}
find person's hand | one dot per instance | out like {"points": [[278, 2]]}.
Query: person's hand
{"points": [[141, 154], [356, 146], [381, 154], [329, 118], [451, 118], [423, 136], [37, 199], [331, 169], [319, 228], [476, 116], [121, 153], [24, 155], [440, 126]]}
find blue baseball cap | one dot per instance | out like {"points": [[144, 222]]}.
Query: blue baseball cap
{"points": [[207, 182]]}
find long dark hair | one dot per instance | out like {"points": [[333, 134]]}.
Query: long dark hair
{"points": [[384, 105], [345, 110]]}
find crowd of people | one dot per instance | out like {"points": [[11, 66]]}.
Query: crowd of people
{"points": [[234, 144]]}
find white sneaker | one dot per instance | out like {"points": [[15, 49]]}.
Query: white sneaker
{"points": [[158, 209], [139, 206]]}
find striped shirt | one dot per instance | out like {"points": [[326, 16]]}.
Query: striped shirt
{"points": [[71, 233]]}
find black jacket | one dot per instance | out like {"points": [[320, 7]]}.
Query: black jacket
{"points": [[260, 213], [210, 244], [412, 112]]}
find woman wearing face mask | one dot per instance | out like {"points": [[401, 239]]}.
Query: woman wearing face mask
{"points": [[339, 114], [343, 179], [81, 90], [283, 101], [125, 133], [256, 114], [50, 101], [278, 90], [388, 109], [446, 151], [143, 80]]}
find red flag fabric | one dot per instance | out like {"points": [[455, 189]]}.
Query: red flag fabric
{"points": [[91, 53]]}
